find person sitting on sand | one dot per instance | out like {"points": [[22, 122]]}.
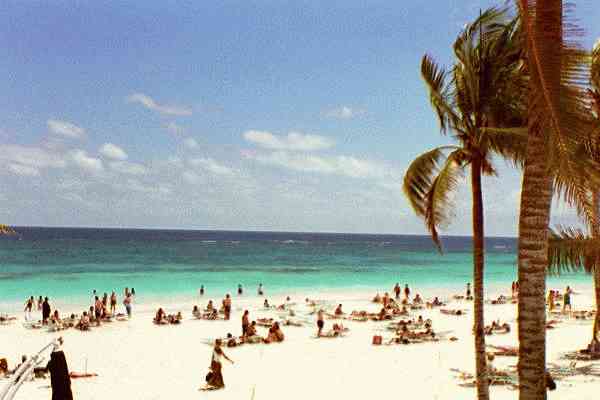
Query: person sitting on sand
{"points": [[231, 342], [338, 311], [383, 315], [386, 299], [418, 299], [451, 312], [196, 312], [160, 318], [377, 298], [275, 334], [84, 322], [266, 304], [593, 347], [210, 306]]}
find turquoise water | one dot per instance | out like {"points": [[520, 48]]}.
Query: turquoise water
{"points": [[70, 263]]}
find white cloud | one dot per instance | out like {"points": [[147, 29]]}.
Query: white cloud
{"points": [[344, 112], [150, 104], [85, 162], [113, 151], [130, 168], [66, 129], [338, 165], [190, 143], [293, 141], [211, 165], [23, 170], [33, 157]]}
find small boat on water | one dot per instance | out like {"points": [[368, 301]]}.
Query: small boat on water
{"points": [[7, 231]]}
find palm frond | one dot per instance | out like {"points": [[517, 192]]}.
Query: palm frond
{"points": [[428, 183], [509, 143], [571, 249], [440, 93]]}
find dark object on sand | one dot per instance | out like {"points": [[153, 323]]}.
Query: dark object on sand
{"points": [[59, 376]]}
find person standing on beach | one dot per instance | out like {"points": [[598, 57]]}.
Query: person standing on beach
{"points": [[397, 290], [60, 379], [127, 302], [320, 322], [40, 301], [567, 299], [227, 306], [245, 323], [406, 292], [28, 308], [113, 303], [468, 293], [98, 310], [45, 311], [260, 289]]}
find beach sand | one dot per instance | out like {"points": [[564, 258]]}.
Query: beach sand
{"points": [[138, 360]]}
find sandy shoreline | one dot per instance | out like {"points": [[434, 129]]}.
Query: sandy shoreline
{"points": [[138, 360]]}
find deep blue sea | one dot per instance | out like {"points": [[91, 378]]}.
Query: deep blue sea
{"points": [[70, 262]]}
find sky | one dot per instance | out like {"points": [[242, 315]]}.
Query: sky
{"points": [[238, 115]]}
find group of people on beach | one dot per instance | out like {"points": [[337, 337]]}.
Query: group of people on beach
{"points": [[102, 309]]}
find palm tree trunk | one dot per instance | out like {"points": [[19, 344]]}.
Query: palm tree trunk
{"points": [[596, 234], [478, 266], [536, 202]]}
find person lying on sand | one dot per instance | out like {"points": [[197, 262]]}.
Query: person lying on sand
{"points": [[592, 348], [5, 319], [452, 312], [400, 311], [435, 303], [336, 331], [496, 327], [290, 322], [500, 300]]}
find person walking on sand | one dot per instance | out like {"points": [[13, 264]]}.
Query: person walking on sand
{"points": [[397, 290], [28, 308], [214, 379], [320, 322], [227, 306]]}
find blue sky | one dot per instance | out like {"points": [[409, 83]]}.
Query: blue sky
{"points": [[273, 115]]}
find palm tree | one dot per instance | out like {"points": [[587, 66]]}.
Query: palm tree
{"points": [[557, 80], [476, 103], [570, 248]]}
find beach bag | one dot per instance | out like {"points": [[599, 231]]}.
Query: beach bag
{"points": [[377, 339]]}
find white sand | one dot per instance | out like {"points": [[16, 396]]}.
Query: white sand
{"points": [[138, 360]]}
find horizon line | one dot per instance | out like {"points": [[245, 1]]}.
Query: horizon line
{"points": [[248, 231]]}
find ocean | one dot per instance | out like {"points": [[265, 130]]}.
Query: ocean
{"points": [[68, 263]]}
